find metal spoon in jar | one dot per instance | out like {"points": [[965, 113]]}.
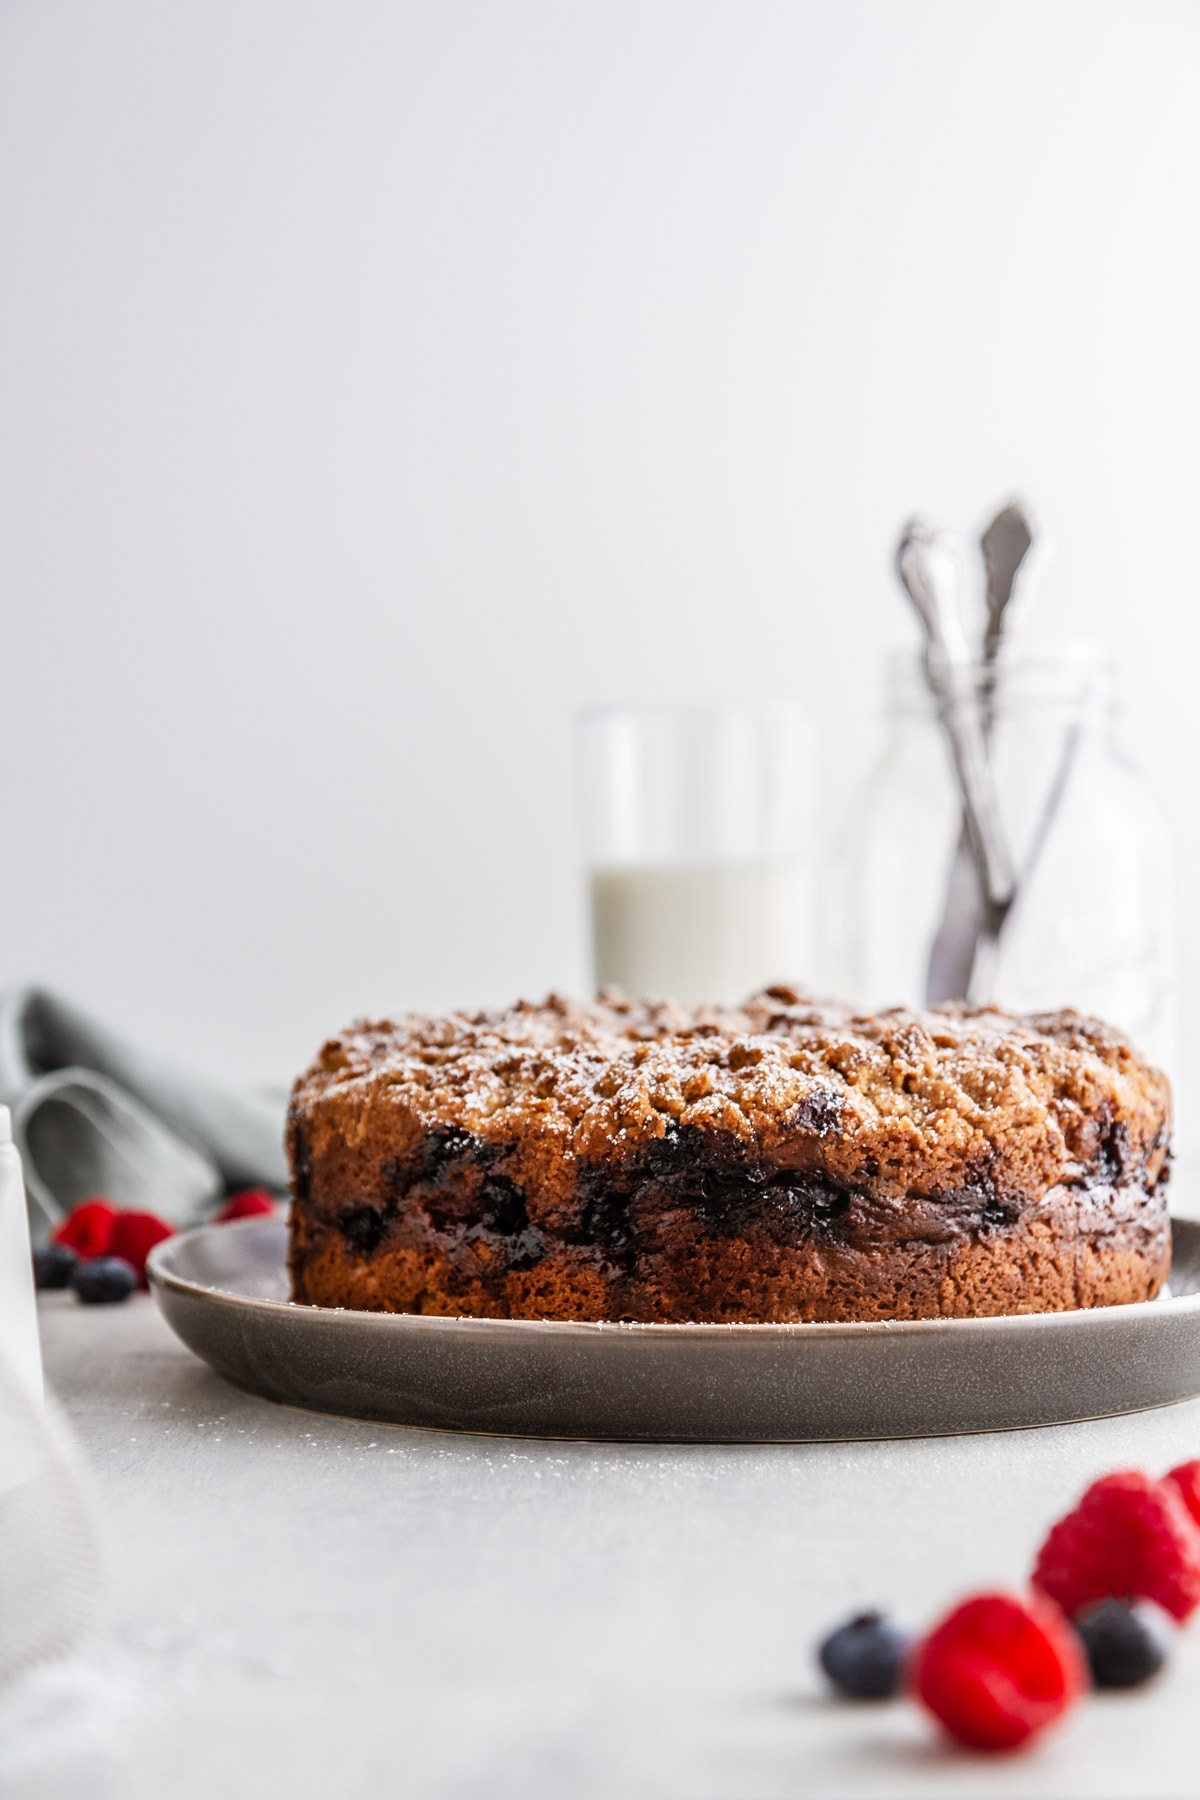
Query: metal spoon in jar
{"points": [[963, 948], [927, 564]]}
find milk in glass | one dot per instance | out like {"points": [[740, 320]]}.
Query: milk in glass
{"points": [[709, 932], [696, 839]]}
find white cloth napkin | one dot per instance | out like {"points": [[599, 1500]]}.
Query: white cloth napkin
{"points": [[96, 1113]]}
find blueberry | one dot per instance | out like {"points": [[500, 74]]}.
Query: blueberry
{"points": [[864, 1658], [103, 1279], [53, 1265], [1124, 1647]]}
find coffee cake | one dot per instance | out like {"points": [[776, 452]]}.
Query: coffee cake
{"points": [[635, 1160]]}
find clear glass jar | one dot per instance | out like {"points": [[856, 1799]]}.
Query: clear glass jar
{"points": [[1091, 925]]}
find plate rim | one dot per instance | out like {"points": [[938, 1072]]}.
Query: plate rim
{"points": [[166, 1280]]}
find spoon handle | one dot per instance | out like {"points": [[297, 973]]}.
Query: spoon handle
{"points": [[962, 957], [921, 561]]}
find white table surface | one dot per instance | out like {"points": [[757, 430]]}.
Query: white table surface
{"points": [[318, 1608]]}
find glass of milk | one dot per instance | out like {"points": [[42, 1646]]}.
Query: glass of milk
{"points": [[696, 841]]}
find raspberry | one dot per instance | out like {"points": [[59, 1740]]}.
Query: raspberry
{"points": [[1187, 1479], [998, 1670], [87, 1228], [133, 1237], [247, 1205], [1129, 1536]]}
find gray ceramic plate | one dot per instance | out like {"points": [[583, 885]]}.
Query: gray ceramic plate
{"points": [[223, 1290]]}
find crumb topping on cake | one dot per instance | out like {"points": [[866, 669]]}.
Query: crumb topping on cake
{"points": [[916, 1103]]}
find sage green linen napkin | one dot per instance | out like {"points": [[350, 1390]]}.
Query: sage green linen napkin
{"points": [[96, 1113]]}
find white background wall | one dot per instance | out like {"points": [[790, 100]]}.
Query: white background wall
{"points": [[379, 381]]}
